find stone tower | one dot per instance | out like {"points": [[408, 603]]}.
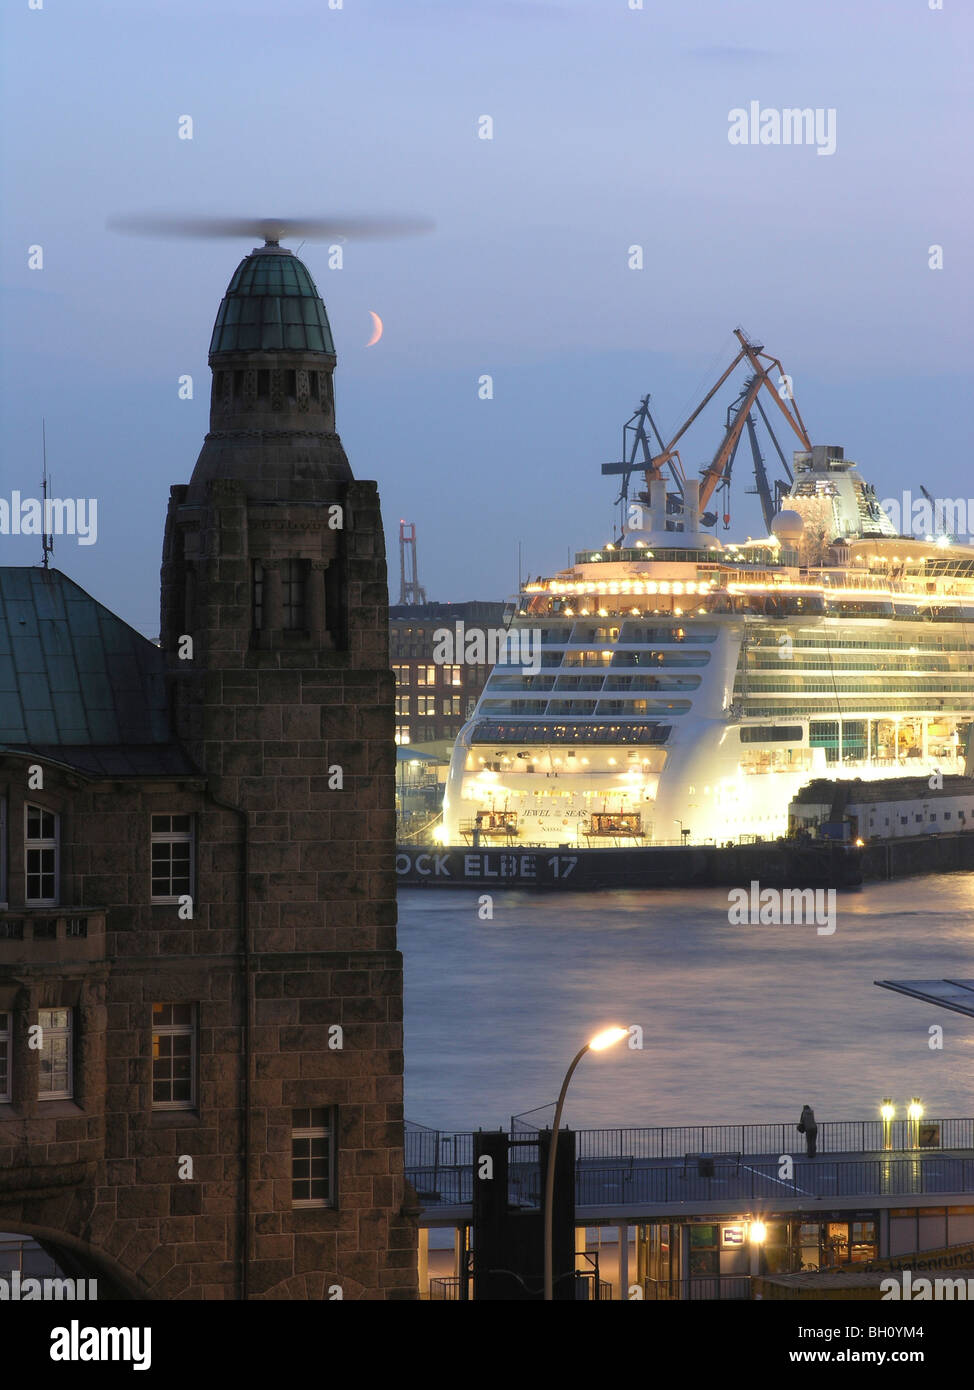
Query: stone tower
{"points": [[275, 620]]}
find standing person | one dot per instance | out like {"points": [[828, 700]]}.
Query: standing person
{"points": [[808, 1127]]}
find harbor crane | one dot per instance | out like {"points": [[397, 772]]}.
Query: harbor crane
{"points": [[410, 589], [766, 372]]}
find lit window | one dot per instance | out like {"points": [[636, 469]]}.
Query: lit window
{"points": [[425, 675], [40, 854], [402, 674], [172, 858], [56, 1059], [173, 1056], [4, 1056], [312, 1157], [452, 676], [402, 733], [402, 704]]}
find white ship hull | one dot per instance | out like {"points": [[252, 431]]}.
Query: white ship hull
{"points": [[710, 786], [672, 688]]}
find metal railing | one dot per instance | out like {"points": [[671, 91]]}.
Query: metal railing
{"points": [[590, 1288], [631, 1184], [709, 1287], [445, 1289], [432, 1149]]}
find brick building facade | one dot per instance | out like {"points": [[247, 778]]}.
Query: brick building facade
{"points": [[434, 698], [200, 991]]}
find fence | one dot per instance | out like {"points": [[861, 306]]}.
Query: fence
{"points": [[711, 1287], [631, 1184], [432, 1149]]}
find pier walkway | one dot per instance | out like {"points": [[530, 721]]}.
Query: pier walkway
{"points": [[648, 1174]]}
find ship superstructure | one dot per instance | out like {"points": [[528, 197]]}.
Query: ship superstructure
{"points": [[669, 686]]}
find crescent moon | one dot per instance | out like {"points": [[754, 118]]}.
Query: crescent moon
{"points": [[376, 329]]}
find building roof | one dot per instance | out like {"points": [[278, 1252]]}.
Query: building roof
{"points": [[406, 753], [77, 684], [858, 793], [271, 305], [484, 610]]}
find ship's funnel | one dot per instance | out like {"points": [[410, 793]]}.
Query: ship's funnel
{"points": [[691, 506]]}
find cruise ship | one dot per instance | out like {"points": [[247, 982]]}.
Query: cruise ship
{"points": [[672, 687]]}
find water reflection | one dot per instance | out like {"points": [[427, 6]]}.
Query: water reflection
{"points": [[739, 1023]]}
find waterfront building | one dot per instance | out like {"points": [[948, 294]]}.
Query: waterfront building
{"points": [[711, 1212], [889, 808], [435, 696], [200, 992]]}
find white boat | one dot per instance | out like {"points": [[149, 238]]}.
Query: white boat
{"points": [[669, 686]]}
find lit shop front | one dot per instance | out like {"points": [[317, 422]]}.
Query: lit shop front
{"points": [[715, 1259]]}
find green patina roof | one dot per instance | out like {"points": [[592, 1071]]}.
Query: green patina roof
{"points": [[74, 676], [271, 304]]}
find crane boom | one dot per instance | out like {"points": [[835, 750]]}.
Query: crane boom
{"points": [[714, 472]]}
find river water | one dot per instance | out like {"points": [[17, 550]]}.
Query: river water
{"points": [[739, 1023]]}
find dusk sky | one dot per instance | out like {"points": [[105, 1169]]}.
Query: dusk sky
{"points": [[610, 129]]}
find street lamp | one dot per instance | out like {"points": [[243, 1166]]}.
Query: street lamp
{"points": [[757, 1234], [914, 1111], [887, 1110], [607, 1038]]}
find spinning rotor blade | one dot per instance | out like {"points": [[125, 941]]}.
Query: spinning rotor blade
{"points": [[272, 229]]}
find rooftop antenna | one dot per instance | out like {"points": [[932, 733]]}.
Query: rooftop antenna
{"points": [[47, 537]]}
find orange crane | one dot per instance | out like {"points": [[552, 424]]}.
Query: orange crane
{"points": [[753, 353]]}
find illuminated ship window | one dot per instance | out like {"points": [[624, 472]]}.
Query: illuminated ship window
{"points": [[642, 732], [771, 733]]}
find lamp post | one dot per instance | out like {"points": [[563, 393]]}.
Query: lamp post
{"points": [[599, 1043], [757, 1234], [887, 1110], [914, 1111]]}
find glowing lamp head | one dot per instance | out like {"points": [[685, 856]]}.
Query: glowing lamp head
{"points": [[607, 1038], [887, 1109], [757, 1232], [915, 1109]]}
